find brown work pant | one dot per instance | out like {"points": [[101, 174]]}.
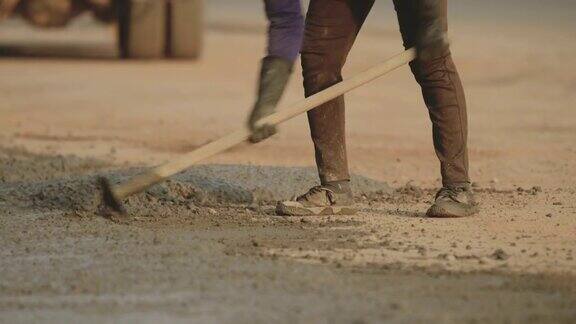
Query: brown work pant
{"points": [[331, 29]]}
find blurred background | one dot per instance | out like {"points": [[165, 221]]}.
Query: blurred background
{"points": [[247, 15], [65, 89]]}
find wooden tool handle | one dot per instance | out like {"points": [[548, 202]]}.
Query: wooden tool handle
{"points": [[158, 174]]}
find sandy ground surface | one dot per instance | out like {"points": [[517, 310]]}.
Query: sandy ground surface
{"points": [[207, 247]]}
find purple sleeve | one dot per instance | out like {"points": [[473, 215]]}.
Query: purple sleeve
{"points": [[286, 28]]}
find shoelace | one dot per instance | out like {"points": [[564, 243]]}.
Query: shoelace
{"points": [[315, 190], [451, 193]]}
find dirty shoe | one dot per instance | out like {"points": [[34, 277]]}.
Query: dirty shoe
{"points": [[453, 202], [331, 199]]}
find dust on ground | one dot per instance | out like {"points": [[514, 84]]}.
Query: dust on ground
{"points": [[206, 245], [209, 249]]}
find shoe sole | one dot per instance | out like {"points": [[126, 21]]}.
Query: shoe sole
{"points": [[436, 211], [295, 209]]}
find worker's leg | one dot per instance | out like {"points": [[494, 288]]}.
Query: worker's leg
{"points": [[443, 95], [331, 28], [441, 88]]}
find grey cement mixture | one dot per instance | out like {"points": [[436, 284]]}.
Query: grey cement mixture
{"points": [[58, 183]]}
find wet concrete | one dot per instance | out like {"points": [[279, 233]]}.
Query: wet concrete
{"points": [[57, 183]]}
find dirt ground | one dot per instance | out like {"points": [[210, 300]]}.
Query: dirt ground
{"points": [[207, 247]]}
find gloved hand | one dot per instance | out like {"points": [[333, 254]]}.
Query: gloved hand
{"points": [[274, 75], [431, 39]]}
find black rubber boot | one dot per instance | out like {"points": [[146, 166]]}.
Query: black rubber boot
{"points": [[274, 75]]}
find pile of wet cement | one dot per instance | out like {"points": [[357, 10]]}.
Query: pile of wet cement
{"points": [[69, 184]]}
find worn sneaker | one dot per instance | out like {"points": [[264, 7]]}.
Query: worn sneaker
{"points": [[453, 202], [320, 200]]}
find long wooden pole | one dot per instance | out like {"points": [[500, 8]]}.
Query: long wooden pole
{"points": [[160, 173]]}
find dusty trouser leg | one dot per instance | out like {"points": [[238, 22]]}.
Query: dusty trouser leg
{"points": [[442, 91], [331, 28]]}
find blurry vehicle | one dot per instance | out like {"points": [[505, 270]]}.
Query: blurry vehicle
{"points": [[146, 28]]}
